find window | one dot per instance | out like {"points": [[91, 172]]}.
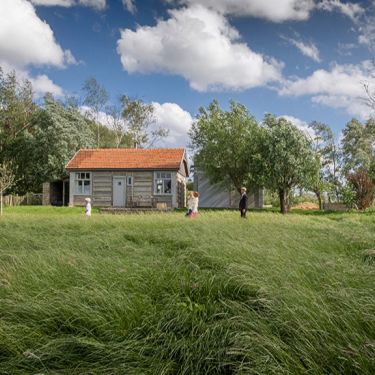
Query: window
{"points": [[83, 183], [163, 183], [130, 181]]}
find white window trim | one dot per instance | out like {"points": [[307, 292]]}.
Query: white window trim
{"points": [[77, 179], [155, 184]]}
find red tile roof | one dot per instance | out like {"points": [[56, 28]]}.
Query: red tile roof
{"points": [[127, 158]]}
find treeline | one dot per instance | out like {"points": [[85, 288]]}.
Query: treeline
{"points": [[38, 139], [235, 150]]}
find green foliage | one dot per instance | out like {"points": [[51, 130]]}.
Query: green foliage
{"points": [[323, 177], [157, 294], [226, 145], [287, 158], [357, 145]]}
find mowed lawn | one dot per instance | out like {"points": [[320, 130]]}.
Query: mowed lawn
{"points": [[162, 294]]}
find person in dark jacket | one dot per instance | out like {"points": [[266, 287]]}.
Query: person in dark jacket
{"points": [[243, 203]]}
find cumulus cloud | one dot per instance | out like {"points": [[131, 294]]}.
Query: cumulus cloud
{"points": [[199, 45], [171, 116], [129, 5], [340, 87], [42, 85], [96, 4], [166, 115], [308, 49], [25, 39]]}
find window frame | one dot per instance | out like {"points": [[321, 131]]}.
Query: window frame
{"points": [[157, 177], [78, 177]]}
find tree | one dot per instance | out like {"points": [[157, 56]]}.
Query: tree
{"points": [[370, 92], [95, 99], [140, 120], [226, 145], [58, 132], [288, 158], [7, 179], [323, 175], [116, 123], [363, 188], [358, 145], [16, 110]]}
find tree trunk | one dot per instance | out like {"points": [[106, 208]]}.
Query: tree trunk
{"points": [[319, 197], [1, 203], [284, 202]]}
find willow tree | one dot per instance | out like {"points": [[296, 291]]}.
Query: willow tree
{"points": [[288, 159], [225, 144]]}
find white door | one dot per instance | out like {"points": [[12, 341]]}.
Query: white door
{"points": [[119, 187]]}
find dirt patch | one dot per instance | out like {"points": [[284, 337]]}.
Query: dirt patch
{"points": [[306, 206]]}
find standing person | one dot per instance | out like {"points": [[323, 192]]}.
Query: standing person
{"points": [[195, 204], [243, 203], [190, 201], [88, 207]]}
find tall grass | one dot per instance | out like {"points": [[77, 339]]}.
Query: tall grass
{"points": [[162, 294]]}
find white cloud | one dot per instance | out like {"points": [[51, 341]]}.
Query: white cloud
{"points": [[96, 4], [166, 115], [171, 116], [42, 85], [300, 124], [273, 10], [62, 3], [199, 45], [366, 29], [310, 50], [129, 5], [276, 10], [352, 10], [25, 39], [340, 87]]}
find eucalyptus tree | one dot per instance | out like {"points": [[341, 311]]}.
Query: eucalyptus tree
{"points": [[142, 129], [95, 99], [325, 177]]}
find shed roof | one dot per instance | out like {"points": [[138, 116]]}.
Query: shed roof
{"points": [[127, 158]]}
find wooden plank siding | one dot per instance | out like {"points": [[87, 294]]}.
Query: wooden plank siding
{"points": [[181, 191], [101, 189], [142, 187], [143, 184]]}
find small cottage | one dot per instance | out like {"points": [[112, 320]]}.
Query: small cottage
{"points": [[128, 178]]}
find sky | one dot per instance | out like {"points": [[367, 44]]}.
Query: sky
{"points": [[306, 60]]}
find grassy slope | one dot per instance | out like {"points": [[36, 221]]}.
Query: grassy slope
{"points": [[161, 294]]}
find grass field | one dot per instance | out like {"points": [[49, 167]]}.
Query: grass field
{"points": [[162, 294]]}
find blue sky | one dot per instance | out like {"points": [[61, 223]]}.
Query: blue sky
{"points": [[304, 59]]}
